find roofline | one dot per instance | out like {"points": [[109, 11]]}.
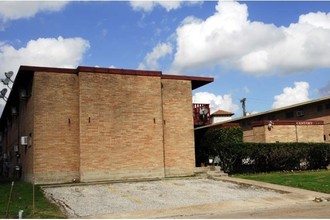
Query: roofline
{"points": [[286, 122], [195, 80], [267, 112], [118, 71], [46, 69], [283, 108], [213, 115]]}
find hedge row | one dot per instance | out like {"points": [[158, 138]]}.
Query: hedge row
{"points": [[265, 157], [237, 157]]}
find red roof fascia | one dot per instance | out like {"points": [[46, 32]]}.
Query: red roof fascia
{"points": [[119, 71], [196, 81], [286, 122]]}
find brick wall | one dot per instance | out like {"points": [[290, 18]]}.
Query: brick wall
{"points": [[94, 126], [310, 133], [178, 128], [121, 132], [288, 133], [280, 133], [56, 126], [318, 111]]}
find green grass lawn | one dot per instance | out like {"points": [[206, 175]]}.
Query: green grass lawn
{"points": [[311, 180], [22, 199]]}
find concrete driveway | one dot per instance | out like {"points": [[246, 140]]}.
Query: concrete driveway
{"points": [[222, 197]]}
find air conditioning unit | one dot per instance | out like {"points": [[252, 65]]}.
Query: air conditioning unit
{"points": [[24, 140], [16, 148], [300, 113]]}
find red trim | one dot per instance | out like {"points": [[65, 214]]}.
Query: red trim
{"points": [[286, 122], [114, 71], [118, 71], [47, 69], [192, 78]]}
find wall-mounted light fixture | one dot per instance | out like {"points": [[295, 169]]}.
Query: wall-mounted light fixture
{"points": [[14, 111], [270, 125]]}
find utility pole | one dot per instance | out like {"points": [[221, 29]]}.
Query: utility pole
{"points": [[243, 106]]}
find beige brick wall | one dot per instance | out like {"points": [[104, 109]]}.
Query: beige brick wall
{"points": [[56, 126], [288, 133], [104, 126], [280, 133], [121, 132], [311, 112], [259, 135], [178, 128], [310, 133]]}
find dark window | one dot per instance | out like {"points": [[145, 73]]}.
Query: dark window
{"points": [[271, 117], [327, 106], [289, 115]]}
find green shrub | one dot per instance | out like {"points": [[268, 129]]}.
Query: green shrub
{"points": [[211, 141], [238, 157], [266, 157]]}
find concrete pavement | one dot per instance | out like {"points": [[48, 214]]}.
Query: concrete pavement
{"points": [[240, 198]]}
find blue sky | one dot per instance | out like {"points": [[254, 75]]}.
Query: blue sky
{"points": [[271, 53]]}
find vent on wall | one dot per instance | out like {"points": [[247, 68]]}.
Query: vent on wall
{"points": [[300, 113], [24, 140]]}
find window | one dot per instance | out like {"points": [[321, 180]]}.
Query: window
{"points": [[289, 115], [271, 117], [319, 108], [300, 113], [327, 106]]}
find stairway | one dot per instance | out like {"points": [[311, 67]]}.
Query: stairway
{"points": [[209, 171]]}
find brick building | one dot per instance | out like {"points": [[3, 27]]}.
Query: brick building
{"points": [[94, 124], [303, 122]]}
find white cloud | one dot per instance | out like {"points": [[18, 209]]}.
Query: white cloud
{"points": [[54, 52], [246, 89], [290, 96], [150, 5], [325, 91], [12, 10], [158, 52], [229, 38], [216, 102]]}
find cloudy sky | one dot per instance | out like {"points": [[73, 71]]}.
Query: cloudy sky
{"points": [[271, 53]]}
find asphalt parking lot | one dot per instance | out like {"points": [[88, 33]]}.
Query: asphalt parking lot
{"points": [[224, 197]]}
